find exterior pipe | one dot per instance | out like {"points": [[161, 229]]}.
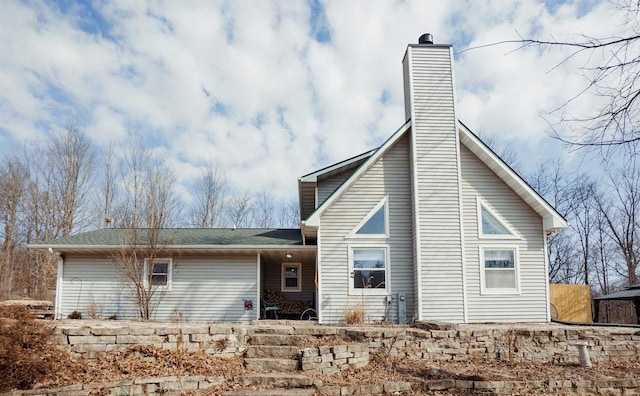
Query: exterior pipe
{"points": [[585, 361], [564, 322]]}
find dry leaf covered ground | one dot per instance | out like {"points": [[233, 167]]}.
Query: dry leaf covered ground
{"points": [[147, 361]]}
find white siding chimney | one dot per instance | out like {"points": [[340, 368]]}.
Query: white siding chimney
{"points": [[436, 198]]}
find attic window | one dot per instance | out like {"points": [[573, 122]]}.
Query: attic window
{"points": [[491, 225], [375, 223]]}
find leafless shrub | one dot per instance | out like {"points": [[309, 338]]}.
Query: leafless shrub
{"points": [[94, 310]]}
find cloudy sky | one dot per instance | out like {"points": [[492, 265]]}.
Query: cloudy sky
{"points": [[276, 89]]}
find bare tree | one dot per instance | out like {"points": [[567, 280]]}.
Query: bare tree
{"points": [[551, 182], [70, 161], [621, 213], [263, 210], [583, 210], [13, 185], [209, 195], [149, 207], [612, 72], [108, 187], [289, 214], [239, 210], [506, 152]]}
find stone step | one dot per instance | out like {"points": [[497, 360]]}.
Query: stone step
{"points": [[280, 380], [267, 364], [269, 351], [272, 392], [277, 339], [278, 330]]}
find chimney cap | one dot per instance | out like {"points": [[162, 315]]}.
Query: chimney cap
{"points": [[426, 38]]}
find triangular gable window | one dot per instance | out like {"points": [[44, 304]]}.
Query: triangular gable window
{"points": [[491, 225], [375, 223]]}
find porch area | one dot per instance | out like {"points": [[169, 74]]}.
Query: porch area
{"points": [[287, 283]]}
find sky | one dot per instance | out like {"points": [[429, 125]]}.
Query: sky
{"points": [[272, 90]]}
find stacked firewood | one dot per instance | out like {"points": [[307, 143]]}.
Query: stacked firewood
{"points": [[287, 307]]}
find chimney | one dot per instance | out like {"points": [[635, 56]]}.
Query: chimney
{"points": [[436, 201]]}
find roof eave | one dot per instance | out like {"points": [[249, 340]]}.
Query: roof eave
{"points": [[212, 248], [314, 219], [552, 220]]}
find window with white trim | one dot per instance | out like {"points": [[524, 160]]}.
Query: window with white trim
{"points": [[369, 269], [291, 280], [491, 225], [161, 272], [499, 270], [375, 224]]}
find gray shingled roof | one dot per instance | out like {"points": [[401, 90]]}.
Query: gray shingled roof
{"points": [[185, 237], [631, 293]]}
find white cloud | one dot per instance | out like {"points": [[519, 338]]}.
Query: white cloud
{"points": [[246, 84]]}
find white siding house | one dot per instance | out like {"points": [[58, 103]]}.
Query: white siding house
{"points": [[431, 225], [466, 236]]}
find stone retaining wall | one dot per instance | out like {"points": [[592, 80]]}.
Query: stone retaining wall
{"points": [[536, 342], [541, 343], [179, 385], [331, 359], [140, 386], [94, 337]]}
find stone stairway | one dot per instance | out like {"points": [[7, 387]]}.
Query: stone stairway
{"points": [[273, 362]]}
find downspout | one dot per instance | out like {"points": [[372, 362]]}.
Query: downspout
{"points": [[59, 282]]}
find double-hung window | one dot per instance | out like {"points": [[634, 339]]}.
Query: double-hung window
{"points": [[499, 272], [369, 269], [291, 280]]}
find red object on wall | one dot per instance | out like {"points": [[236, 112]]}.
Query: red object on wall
{"points": [[248, 305]]}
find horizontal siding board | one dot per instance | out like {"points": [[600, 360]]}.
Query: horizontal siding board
{"points": [[388, 176], [531, 304], [203, 289], [327, 186], [436, 178]]}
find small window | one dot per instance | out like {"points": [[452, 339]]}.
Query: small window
{"points": [[499, 270], [291, 277], [160, 272], [369, 270], [375, 224], [490, 225]]}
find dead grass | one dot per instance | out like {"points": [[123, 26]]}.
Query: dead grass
{"points": [[25, 349], [144, 361], [383, 369], [354, 314]]}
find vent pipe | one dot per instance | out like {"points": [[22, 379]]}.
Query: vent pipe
{"points": [[426, 38]]}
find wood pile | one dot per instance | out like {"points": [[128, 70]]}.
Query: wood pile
{"points": [[287, 307]]}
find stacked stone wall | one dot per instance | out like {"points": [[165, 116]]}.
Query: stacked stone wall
{"points": [[331, 359], [538, 342]]}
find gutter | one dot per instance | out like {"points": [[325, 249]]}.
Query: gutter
{"points": [[248, 248]]}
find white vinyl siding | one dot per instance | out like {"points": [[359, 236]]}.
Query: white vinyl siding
{"points": [[202, 289], [529, 305], [327, 186], [389, 176], [435, 172]]}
